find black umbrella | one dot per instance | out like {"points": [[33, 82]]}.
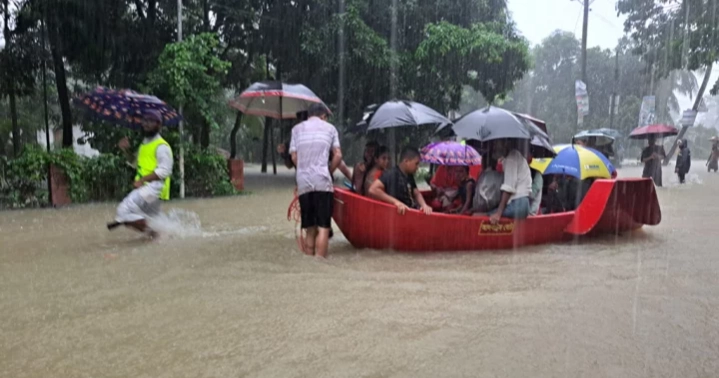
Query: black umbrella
{"points": [[494, 123], [400, 113]]}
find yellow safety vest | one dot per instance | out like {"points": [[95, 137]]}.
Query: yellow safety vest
{"points": [[147, 163]]}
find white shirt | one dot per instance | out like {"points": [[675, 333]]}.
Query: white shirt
{"points": [[313, 140], [517, 176], [151, 191]]}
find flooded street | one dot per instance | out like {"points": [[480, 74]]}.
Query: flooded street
{"points": [[236, 298]]}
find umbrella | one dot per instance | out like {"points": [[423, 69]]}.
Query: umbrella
{"points": [[494, 123], [600, 139], [541, 124], [401, 113], [541, 148], [616, 134], [450, 153], [657, 131], [275, 99], [577, 161], [124, 107]]}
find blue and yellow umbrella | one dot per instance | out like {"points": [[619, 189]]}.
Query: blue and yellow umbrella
{"points": [[577, 161]]}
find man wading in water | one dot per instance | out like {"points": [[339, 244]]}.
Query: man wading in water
{"points": [[152, 181], [310, 146]]}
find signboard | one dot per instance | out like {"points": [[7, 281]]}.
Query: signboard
{"points": [[580, 91], [647, 114], [688, 118]]}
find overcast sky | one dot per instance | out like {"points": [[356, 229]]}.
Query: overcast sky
{"points": [[536, 19]]}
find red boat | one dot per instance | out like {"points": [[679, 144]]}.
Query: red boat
{"points": [[610, 206]]}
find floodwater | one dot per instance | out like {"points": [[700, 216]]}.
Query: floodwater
{"points": [[235, 298]]}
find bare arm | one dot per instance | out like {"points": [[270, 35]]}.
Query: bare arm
{"points": [[336, 158], [294, 158], [503, 202], [468, 202], [377, 191], [419, 197], [345, 170]]}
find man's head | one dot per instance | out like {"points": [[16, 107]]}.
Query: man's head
{"points": [[461, 172], [500, 148], [409, 160], [320, 111], [369, 150], [652, 140], [151, 123]]}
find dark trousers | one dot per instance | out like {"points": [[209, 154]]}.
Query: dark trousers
{"points": [[682, 177]]}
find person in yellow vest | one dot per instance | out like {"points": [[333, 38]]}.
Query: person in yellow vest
{"points": [[152, 181]]}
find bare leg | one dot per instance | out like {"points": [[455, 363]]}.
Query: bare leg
{"points": [[310, 241], [141, 226], [322, 242]]}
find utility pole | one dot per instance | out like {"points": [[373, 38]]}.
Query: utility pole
{"points": [[614, 90], [181, 126], [585, 26]]}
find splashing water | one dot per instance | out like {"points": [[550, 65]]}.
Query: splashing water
{"points": [[177, 223]]}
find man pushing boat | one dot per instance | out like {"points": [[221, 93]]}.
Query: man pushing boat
{"points": [[152, 180]]}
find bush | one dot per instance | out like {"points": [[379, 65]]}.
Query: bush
{"points": [[206, 175], [23, 181]]}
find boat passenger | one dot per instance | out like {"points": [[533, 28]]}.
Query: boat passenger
{"points": [[374, 171], [517, 185], [445, 186], [397, 186], [652, 157], [360, 168], [535, 197], [465, 192]]}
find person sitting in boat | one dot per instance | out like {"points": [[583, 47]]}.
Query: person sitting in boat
{"points": [[465, 191], [397, 186], [517, 186], [445, 187], [375, 170], [535, 197], [360, 168]]}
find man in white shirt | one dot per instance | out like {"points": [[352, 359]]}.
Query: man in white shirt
{"points": [[517, 185], [152, 181], [311, 144]]}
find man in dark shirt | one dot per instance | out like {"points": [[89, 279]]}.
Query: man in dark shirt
{"points": [[397, 186]]}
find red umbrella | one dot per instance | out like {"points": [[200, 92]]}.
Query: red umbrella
{"points": [[656, 131]]}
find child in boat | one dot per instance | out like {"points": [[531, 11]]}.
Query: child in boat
{"points": [[375, 170], [397, 186], [465, 191]]}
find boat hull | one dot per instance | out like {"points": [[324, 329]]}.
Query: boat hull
{"points": [[617, 206], [367, 223]]}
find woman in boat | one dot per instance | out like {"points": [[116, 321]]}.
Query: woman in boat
{"points": [[652, 158], [374, 171], [684, 160], [713, 162], [358, 173]]}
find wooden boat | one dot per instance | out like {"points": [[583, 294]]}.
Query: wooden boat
{"points": [[610, 206]]}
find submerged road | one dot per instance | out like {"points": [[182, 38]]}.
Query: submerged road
{"points": [[235, 298]]}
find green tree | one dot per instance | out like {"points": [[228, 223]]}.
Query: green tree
{"points": [[189, 73]]}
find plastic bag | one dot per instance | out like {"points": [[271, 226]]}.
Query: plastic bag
{"points": [[488, 192]]}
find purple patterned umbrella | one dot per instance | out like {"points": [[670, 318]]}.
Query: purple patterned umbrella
{"points": [[124, 107], [450, 153]]}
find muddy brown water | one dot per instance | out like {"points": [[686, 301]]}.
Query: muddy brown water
{"points": [[235, 298]]}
